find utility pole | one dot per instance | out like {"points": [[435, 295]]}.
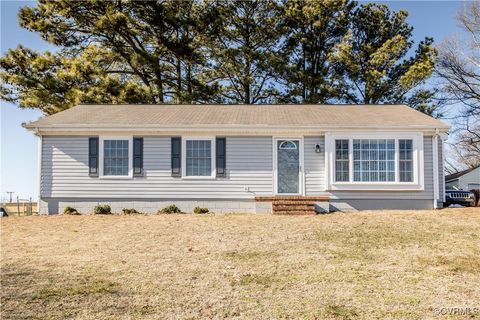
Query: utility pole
{"points": [[10, 194]]}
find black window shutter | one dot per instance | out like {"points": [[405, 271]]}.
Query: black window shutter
{"points": [[137, 157], [93, 156], [176, 157], [221, 157]]}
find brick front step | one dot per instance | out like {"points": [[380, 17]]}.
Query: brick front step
{"points": [[304, 198], [294, 213], [293, 205], [280, 207], [297, 202]]}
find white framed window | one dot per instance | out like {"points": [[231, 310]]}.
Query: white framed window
{"points": [[198, 157], [342, 160], [116, 161], [288, 145], [376, 161], [405, 148]]}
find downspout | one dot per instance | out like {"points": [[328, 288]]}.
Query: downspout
{"points": [[39, 167], [443, 137], [435, 170]]}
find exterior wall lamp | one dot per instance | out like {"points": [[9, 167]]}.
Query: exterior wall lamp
{"points": [[317, 148]]}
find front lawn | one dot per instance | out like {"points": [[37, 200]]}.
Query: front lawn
{"points": [[339, 266]]}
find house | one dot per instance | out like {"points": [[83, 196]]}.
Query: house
{"points": [[464, 180], [240, 158]]}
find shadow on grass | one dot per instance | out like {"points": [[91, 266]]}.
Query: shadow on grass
{"points": [[46, 294]]}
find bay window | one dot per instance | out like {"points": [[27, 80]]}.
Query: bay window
{"points": [[375, 161]]}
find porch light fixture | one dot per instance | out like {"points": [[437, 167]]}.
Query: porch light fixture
{"points": [[317, 148]]}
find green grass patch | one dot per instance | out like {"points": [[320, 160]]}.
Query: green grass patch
{"points": [[455, 264], [256, 280], [95, 287], [249, 255], [340, 312]]}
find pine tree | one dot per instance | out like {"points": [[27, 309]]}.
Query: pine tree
{"points": [[371, 60], [244, 51], [314, 28], [194, 51]]}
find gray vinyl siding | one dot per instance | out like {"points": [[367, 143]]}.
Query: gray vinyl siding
{"points": [[314, 165], [249, 160], [427, 193], [65, 172]]}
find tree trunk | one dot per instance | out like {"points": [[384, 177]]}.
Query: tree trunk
{"points": [[179, 81], [159, 84]]}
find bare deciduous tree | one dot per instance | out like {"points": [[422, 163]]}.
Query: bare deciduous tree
{"points": [[458, 67]]}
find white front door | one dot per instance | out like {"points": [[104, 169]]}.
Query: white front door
{"points": [[288, 166]]}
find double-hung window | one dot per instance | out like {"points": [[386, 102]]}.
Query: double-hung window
{"points": [[405, 160], [199, 159], [116, 159], [341, 160], [376, 160]]}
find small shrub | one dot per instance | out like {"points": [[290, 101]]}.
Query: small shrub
{"points": [[170, 209], [129, 211], [70, 210], [200, 210], [102, 209]]}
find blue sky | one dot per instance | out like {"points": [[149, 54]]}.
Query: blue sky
{"points": [[18, 163]]}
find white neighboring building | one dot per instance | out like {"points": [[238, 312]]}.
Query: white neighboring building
{"points": [[465, 180]]}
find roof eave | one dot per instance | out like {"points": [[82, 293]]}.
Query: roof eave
{"points": [[224, 127]]}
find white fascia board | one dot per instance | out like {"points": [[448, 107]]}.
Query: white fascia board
{"points": [[225, 130]]}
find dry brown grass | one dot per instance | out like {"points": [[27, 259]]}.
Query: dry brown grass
{"points": [[338, 266]]}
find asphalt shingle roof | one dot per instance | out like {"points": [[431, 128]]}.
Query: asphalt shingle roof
{"points": [[328, 116]]}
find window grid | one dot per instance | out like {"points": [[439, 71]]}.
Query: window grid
{"points": [[199, 158], [115, 157], [405, 160], [374, 160], [288, 145], [342, 160]]}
